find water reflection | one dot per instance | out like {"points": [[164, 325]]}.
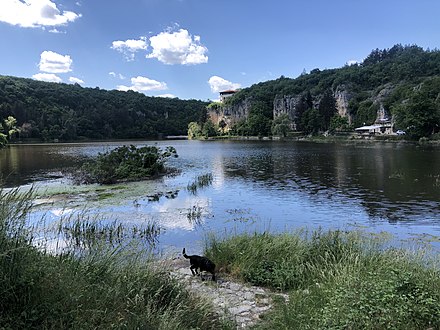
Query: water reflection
{"points": [[275, 184], [390, 181]]}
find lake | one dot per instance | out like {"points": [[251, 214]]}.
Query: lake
{"points": [[257, 185]]}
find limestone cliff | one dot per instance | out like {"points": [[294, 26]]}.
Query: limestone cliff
{"points": [[230, 114], [287, 104]]}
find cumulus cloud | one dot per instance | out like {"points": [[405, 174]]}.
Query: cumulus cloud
{"points": [[143, 84], [34, 13], [75, 80], [219, 84], [178, 48], [129, 47], [50, 77], [54, 63]]}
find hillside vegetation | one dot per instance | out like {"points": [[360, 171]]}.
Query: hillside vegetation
{"points": [[403, 80], [54, 111]]}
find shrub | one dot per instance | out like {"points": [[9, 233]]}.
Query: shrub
{"points": [[126, 163]]}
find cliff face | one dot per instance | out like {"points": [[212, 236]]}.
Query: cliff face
{"points": [[230, 115], [287, 104], [382, 114], [342, 97]]}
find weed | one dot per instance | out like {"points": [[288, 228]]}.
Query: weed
{"points": [[336, 279]]}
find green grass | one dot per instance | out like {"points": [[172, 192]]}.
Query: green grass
{"points": [[336, 280], [99, 288]]}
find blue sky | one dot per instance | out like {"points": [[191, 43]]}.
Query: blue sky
{"points": [[195, 48]]}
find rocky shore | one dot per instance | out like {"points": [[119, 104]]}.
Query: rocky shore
{"points": [[242, 303]]}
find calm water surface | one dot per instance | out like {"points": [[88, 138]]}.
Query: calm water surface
{"points": [[261, 185]]}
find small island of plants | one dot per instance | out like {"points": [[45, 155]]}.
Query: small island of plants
{"points": [[126, 163]]}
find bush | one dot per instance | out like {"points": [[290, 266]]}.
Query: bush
{"points": [[126, 163]]}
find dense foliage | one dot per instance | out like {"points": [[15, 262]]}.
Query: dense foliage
{"points": [[8, 128], [54, 111], [410, 73], [126, 163], [336, 280]]}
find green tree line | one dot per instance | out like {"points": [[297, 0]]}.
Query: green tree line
{"points": [[54, 111], [411, 73]]}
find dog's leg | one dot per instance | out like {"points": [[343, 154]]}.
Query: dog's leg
{"points": [[192, 270]]}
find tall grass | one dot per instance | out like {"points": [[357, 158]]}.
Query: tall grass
{"points": [[336, 280], [101, 288]]}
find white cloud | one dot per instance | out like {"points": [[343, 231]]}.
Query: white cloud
{"points": [[178, 48], [114, 74], [54, 63], [57, 31], [75, 80], [34, 13], [143, 84], [351, 62], [219, 84], [50, 77], [130, 47], [171, 96]]}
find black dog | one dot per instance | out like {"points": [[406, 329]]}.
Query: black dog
{"points": [[201, 263]]}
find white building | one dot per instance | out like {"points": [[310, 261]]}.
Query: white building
{"points": [[225, 94]]}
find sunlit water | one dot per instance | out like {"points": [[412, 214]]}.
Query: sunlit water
{"points": [[264, 185]]}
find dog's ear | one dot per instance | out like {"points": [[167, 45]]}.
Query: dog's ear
{"points": [[183, 252]]}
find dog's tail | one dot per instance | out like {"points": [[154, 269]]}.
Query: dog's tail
{"points": [[184, 253]]}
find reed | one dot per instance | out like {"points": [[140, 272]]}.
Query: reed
{"points": [[200, 181], [102, 287]]}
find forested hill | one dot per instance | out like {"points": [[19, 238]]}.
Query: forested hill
{"points": [[403, 81], [56, 111]]}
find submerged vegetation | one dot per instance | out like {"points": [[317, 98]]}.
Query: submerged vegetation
{"points": [[200, 181], [99, 288], [335, 280], [126, 163]]}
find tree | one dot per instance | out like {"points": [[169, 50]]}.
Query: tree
{"points": [[305, 103], [209, 130], [10, 124], [420, 115], [194, 131], [327, 109], [7, 130], [311, 121], [338, 123], [259, 122], [281, 125]]}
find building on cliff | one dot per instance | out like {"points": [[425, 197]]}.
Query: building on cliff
{"points": [[225, 94]]}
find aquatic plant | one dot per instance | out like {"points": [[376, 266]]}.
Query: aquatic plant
{"points": [[194, 214], [82, 232], [200, 181], [126, 163]]}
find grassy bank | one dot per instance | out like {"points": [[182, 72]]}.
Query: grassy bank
{"points": [[101, 288], [336, 280]]}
